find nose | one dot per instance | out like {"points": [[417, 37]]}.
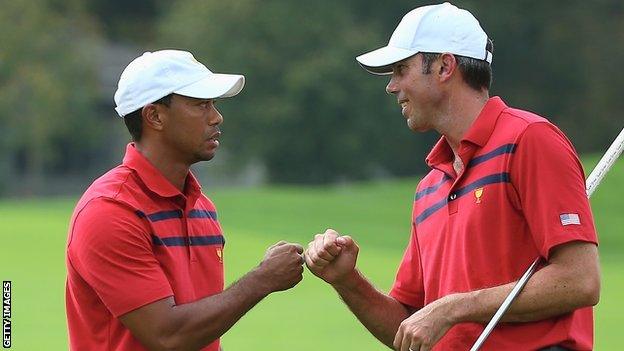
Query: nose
{"points": [[392, 88], [215, 117]]}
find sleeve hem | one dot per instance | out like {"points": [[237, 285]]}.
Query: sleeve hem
{"points": [[406, 298], [560, 240], [136, 305]]}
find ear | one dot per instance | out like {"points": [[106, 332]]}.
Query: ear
{"points": [[152, 116], [448, 66]]}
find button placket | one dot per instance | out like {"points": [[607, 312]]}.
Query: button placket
{"points": [[452, 203]]}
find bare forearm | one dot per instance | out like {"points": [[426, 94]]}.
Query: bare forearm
{"points": [[378, 312], [570, 280], [196, 324], [546, 295], [165, 325]]}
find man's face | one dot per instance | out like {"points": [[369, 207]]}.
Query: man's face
{"points": [[192, 128], [416, 92]]}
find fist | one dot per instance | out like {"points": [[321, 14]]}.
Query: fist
{"points": [[331, 257], [282, 266]]}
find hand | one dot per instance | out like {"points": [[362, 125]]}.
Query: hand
{"points": [[282, 266], [423, 329], [332, 257]]}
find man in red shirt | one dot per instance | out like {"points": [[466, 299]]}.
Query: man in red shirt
{"points": [[145, 248], [505, 187]]}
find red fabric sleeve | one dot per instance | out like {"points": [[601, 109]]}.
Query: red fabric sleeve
{"points": [[408, 285], [111, 250], [549, 181]]}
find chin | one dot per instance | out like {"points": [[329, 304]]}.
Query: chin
{"points": [[415, 127], [204, 157]]}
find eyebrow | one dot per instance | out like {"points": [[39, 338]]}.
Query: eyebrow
{"points": [[399, 65]]}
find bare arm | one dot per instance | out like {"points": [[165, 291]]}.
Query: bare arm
{"points": [[570, 280], [163, 325], [381, 314], [332, 258]]}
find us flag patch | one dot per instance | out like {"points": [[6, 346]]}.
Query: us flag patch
{"points": [[569, 218]]}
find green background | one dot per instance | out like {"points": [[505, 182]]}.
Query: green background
{"points": [[308, 317]]}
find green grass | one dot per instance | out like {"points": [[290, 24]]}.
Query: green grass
{"points": [[308, 317]]}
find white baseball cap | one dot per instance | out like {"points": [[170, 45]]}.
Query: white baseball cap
{"points": [[442, 28], [157, 74]]}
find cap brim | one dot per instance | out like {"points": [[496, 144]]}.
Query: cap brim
{"points": [[214, 86], [380, 61]]}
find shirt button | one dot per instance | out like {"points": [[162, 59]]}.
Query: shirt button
{"points": [[453, 197]]}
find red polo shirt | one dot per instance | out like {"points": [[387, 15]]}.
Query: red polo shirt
{"points": [[135, 239], [521, 194]]}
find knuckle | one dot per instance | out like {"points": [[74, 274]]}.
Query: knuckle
{"points": [[314, 257]]}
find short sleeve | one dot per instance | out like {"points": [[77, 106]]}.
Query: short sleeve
{"points": [[111, 250], [408, 284], [550, 183]]}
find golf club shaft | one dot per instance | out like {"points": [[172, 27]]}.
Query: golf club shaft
{"points": [[595, 177], [605, 163], [505, 305]]}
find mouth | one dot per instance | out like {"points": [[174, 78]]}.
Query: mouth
{"points": [[403, 103], [214, 138]]}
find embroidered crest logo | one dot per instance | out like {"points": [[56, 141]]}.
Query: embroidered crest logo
{"points": [[220, 255], [478, 193]]}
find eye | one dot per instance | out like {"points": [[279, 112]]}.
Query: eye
{"points": [[206, 104]]}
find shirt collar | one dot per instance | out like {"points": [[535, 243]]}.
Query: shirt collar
{"points": [[481, 129], [153, 179], [478, 133]]}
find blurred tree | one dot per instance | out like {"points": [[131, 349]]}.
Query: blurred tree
{"points": [[312, 115], [48, 91], [560, 60], [309, 111], [126, 21]]}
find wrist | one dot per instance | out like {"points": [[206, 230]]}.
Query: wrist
{"points": [[259, 282], [348, 282]]}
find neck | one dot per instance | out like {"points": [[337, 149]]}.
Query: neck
{"points": [[165, 162], [461, 109]]}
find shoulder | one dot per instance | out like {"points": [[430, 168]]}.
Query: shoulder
{"points": [[521, 116], [102, 221], [118, 188], [524, 126], [545, 136], [110, 185]]}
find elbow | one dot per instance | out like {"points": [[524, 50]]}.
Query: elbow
{"points": [[165, 338], [593, 293], [179, 341], [590, 291], [167, 342]]}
